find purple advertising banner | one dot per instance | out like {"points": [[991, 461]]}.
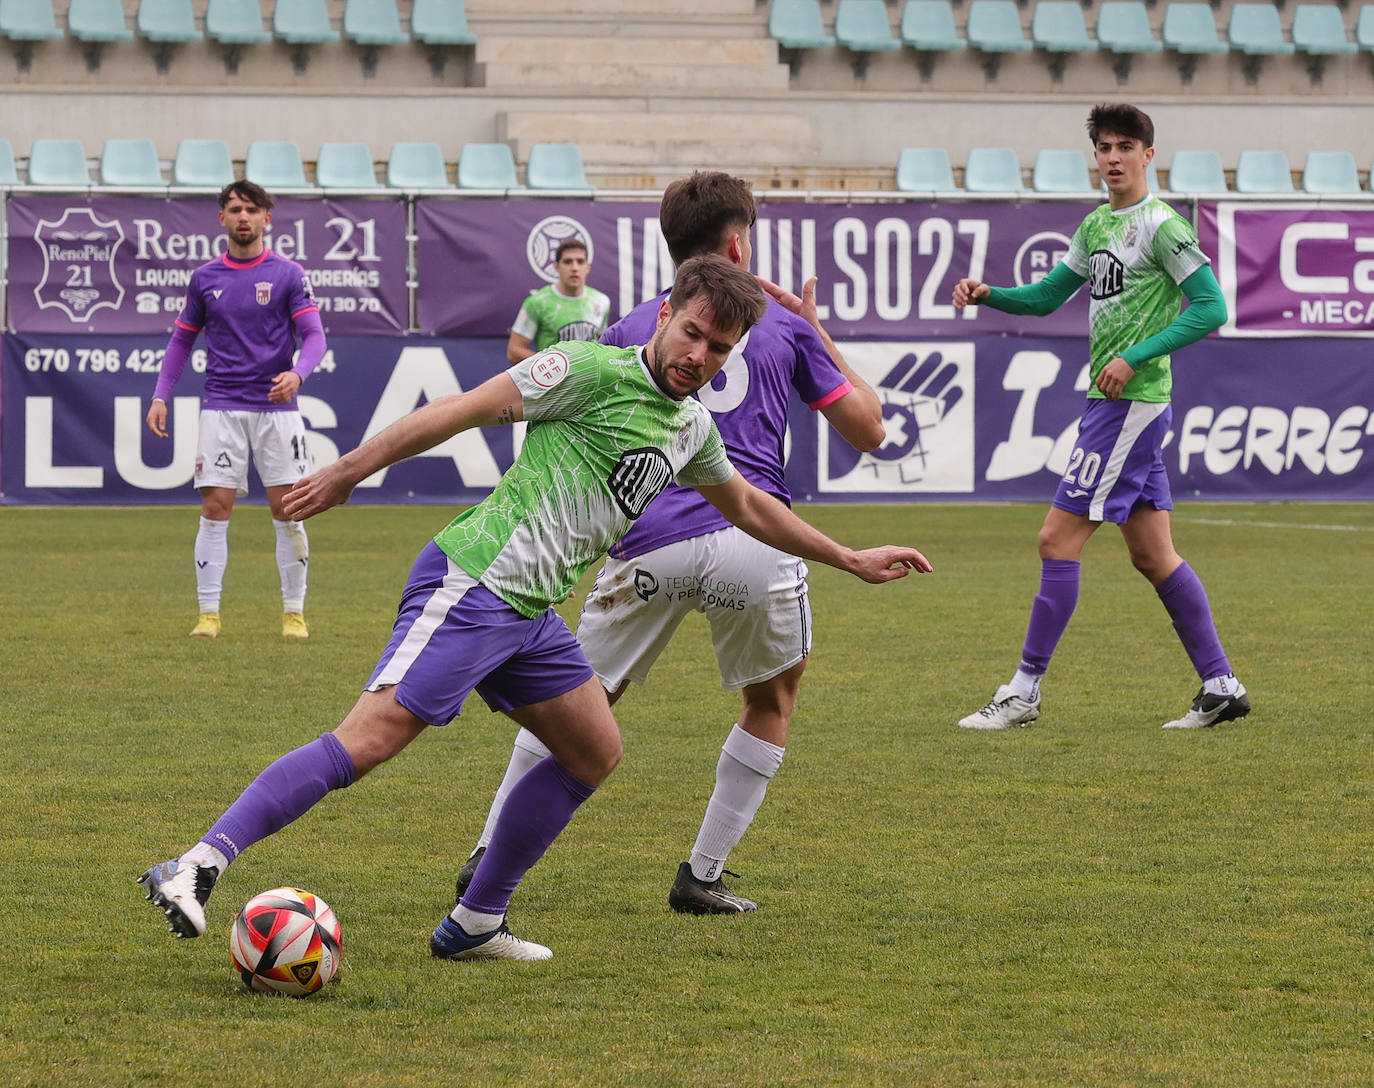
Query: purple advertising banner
{"points": [[992, 418], [885, 270], [1292, 269], [110, 264]]}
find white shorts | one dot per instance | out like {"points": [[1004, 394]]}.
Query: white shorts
{"points": [[754, 596], [276, 441]]}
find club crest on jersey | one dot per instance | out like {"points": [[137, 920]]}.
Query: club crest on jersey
{"points": [[548, 369], [1106, 274], [263, 293], [637, 479]]}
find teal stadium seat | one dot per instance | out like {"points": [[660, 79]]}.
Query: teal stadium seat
{"points": [[1254, 31], [275, 164], [1058, 28], [58, 162], [440, 24], [95, 23], [204, 163], [1123, 29], [373, 24], [1059, 170], [1190, 31], [1330, 172], [928, 27], [25, 22], [925, 170], [166, 23], [8, 174], [796, 26], [234, 24], [415, 165], [1263, 172], [992, 170], [556, 166], [487, 166], [1318, 33], [1196, 172], [994, 28], [1364, 29], [862, 27], [130, 162], [345, 166], [301, 24]]}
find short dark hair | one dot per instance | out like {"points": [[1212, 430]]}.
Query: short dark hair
{"points": [[697, 212], [1122, 119], [567, 244], [249, 191], [734, 295]]}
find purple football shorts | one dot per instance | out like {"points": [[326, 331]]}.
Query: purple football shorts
{"points": [[453, 636], [1117, 462]]}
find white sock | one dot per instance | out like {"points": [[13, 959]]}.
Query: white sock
{"points": [[1026, 685], [528, 751], [204, 855], [293, 560], [475, 921], [1223, 685], [746, 764], [212, 556]]}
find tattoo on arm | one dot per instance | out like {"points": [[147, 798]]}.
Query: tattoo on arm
{"points": [[507, 415]]}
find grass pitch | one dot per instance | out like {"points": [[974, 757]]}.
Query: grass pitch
{"points": [[1090, 901]]}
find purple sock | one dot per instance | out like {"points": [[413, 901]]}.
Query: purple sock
{"points": [[536, 810], [288, 788], [1186, 601], [1050, 613]]}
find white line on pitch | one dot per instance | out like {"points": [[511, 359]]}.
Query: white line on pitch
{"points": [[1279, 524]]}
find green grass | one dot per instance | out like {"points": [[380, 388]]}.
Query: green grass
{"points": [[1092, 901]]}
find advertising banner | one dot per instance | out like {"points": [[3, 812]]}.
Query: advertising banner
{"points": [[885, 271], [992, 418], [1292, 269], [112, 264]]}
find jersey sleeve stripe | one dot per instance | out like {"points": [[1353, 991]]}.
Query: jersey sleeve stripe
{"points": [[835, 394]]}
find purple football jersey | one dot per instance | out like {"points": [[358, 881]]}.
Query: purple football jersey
{"points": [[748, 400], [247, 309]]}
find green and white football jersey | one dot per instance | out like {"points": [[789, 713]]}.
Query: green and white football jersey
{"points": [[603, 440], [547, 317], [1134, 260]]}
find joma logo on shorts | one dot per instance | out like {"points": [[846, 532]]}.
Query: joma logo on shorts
{"points": [[1106, 274], [637, 479]]}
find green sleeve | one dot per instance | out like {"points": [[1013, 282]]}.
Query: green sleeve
{"points": [[1037, 299], [1206, 312]]}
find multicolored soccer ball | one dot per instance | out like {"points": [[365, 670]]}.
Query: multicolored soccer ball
{"points": [[286, 941]]}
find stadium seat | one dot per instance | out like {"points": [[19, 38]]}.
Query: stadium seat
{"points": [[301, 24], [95, 22], [1123, 29], [345, 166], [928, 27], [24, 22], [58, 162], [994, 28], [1330, 172], [1190, 31], [8, 174], [1263, 172], [1058, 28], [861, 26], [130, 162], [440, 24], [275, 164], [487, 166], [1319, 33], [1364, 29], [234, 24], [1254, 31], [202, 162], [924, 170], [556, 166], [1060, 171], [373, 24], [1196, 172], [166, 23], [992, 170], [796, 26], [420, 166]]}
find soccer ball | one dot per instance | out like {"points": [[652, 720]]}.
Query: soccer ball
{"points": [[286, 941]]}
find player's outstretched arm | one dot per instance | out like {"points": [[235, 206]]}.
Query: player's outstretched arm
{"points": [[762, 516], [497, 400]]}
